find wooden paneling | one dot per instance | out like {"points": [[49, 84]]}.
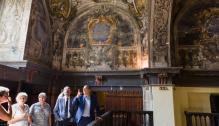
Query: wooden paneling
{"points": [[12, 74], [123, 100]]}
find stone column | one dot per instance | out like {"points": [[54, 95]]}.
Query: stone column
{"points": [[14, 18], [160, 33], [147, 98], [159, 99], [158, 94], [163, 107]]}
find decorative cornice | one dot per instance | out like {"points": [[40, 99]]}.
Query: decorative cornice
{"points": [[168, 70]]}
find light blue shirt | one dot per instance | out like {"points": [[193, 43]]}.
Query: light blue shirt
{"points": [[87, 107]]}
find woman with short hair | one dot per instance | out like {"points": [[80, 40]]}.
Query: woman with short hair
{"points": [[40, 112], [20, 111], [4, 97]]}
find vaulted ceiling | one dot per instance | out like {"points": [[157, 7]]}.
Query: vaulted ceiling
{"points": [[194, 34]]}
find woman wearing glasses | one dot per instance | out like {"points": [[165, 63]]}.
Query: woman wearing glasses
{"points": [[4, 97]]}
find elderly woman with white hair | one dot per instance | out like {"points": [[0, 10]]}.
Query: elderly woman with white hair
{"points": [[20, 111], [40, 112]]}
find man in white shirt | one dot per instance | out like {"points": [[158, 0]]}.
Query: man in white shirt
{"points": [[87, 106]]}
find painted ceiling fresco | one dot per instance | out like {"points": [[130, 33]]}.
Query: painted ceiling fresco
{"points": [[109, 35], [102, 39], [99, 35], [197, 37]]}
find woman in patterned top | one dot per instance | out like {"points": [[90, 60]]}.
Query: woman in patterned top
{"points": [[40, 112]]}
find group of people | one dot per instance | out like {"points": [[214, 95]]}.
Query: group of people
{"points": [[68, 111], [19, 114]]}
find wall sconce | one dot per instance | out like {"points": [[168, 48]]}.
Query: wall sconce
{"points": [[98, 80], [111, 88]]}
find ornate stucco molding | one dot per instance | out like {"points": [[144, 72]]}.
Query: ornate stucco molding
{"points": [[160, 36], [14, 18]]}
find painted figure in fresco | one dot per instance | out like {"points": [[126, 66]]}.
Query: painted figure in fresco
{"points": [[125, 58], [74, 60], [130, 59], [81, 60], [138, 5], [58, 38], [68, 59], [61, 8], [119, 59]]}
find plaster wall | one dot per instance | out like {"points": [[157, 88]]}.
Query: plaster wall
{"points": [[14, 18], [193, 99]]}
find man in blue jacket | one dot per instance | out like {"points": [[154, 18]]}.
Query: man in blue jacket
{"points": [[64, 108], [87, 106]]}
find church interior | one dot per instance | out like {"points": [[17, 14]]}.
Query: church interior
{"points": [[155, 56]]}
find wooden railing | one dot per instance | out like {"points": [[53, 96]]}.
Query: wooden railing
{"points": [[106, 120], [125, 118], [202, 119]]}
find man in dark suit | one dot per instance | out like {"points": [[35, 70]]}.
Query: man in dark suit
{"points": [[87, 107], [64, 108]]}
